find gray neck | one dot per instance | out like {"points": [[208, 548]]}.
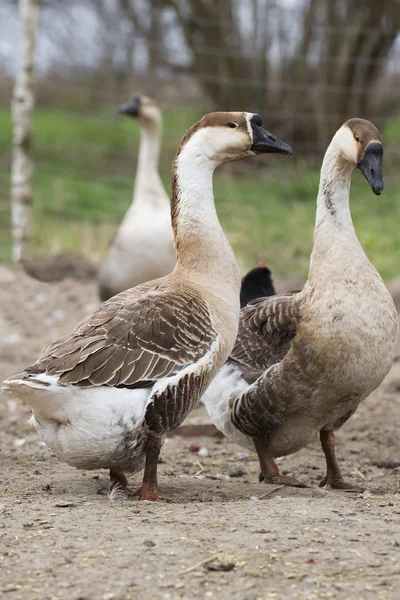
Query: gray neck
{"points": [[335, 241], [334, 192]]}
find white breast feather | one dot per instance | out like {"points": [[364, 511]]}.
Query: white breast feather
{"points": [[228, 381]]}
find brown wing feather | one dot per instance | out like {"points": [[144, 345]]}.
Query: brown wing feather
{"points": [[132, 337], [266, 328]]}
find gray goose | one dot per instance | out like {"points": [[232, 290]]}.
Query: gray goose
{"points": [[304, 361], [106, 395], [143, 246]]}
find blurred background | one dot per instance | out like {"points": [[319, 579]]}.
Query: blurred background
{"points": [[305, 65]]}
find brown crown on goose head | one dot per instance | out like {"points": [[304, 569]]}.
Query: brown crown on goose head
{"points": [[368, 151], [240, 135], [218, 138]]}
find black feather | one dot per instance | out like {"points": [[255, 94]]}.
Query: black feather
{"points": [[256, 284]]}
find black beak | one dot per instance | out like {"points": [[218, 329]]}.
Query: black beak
{"points": [[264, 142], [371, 166], [131, 108]]}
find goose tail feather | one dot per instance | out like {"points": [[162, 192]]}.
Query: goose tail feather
{"points": [[31, 388]]}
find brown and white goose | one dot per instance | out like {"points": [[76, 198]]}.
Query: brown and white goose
{"points": [[106, 395], [303, 362], [143, 247]]}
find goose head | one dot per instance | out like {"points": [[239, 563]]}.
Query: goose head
{"points": [[360, 142], [142, 108], [222, 137], [256, 283]]}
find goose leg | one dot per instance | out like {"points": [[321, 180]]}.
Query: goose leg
{"points": [[119, 486], [333, 479], [148, 490], [269, 469]]}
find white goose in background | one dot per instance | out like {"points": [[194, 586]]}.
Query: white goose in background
{"points": [[106, 395], [304, 361], [143, 247]]}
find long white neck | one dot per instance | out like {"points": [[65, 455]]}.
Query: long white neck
{"points": [[204, 253], [149, 188], [335, 240]]}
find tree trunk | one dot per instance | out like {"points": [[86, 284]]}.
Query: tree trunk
{"points": [[356, 49], [211, 31], [21, 107], [330, 75]]}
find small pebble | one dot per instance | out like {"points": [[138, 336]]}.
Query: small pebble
{"points": [[203, 452], [12, 405], [40, 298], [149, 543], [237, 471], [388, 464], [13, 338], [309, 580], [215, 566], [242, 455], [166, 584], [194, 448], [338, 586]]}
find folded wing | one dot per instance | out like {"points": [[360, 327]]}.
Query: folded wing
{"points": [[266, 328], [132, 340]]}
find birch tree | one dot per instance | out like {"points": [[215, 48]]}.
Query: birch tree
{"points": [[21, 107]]}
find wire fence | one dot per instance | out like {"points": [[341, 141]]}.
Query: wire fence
{"points": [[305, 79]]}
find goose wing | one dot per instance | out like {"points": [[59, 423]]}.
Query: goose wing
{"points": [[133, 339], [266, 328]]}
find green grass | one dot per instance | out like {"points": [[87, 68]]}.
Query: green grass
{"points": [[84, 168]]}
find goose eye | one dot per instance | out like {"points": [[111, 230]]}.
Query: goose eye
{"points": [[232, 125], [356, 137]]}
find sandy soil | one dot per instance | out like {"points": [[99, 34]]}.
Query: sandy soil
{"points": [[217, 533]]}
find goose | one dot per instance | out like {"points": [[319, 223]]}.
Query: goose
{"points": [[142, 248], [106, 395], [256, 283], [304, 361]]}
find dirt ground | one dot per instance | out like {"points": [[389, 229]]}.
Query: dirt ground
{"points": [[216, 533]]}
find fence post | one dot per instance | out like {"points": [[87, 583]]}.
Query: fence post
{"points": [[21, 107]]}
